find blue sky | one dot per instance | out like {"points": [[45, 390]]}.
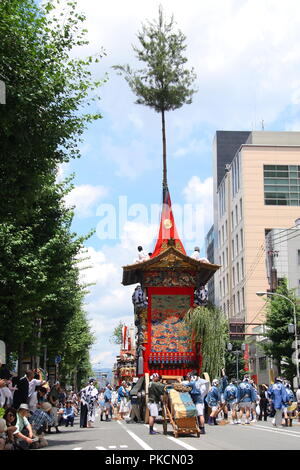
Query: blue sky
{"points": [[247, 58]]}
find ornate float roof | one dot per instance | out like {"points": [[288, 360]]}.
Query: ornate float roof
{"points": [[170, 259], [167, 228]]}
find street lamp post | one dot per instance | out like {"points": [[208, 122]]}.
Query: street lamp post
{"points": [[236, 353], [260, 294]]}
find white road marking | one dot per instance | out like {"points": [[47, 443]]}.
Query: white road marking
{"points": [[181, 443], [77, 448], [276, 431], [142, 443], [112, 447], [124, 447], [100, 448]]}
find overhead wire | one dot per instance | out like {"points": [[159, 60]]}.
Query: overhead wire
{"points": [[260, 252]]}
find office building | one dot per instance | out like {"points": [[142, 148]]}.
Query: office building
{"points": [[257, 188]]}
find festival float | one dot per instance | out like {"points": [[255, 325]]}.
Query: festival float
{"points": [[169, 283], [125, 367]]}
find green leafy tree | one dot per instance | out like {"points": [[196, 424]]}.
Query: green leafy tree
{"points": [[279, 345], [77, 340], [116, 337], [209, 326], [48, 91], [164, 84]]}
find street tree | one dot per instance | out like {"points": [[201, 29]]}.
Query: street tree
{"points": [[116, 337], [279, 340], [48, 91], [164, 84]]}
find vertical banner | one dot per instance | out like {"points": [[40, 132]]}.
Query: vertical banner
{"points": [[124, 337], [246, 358]]}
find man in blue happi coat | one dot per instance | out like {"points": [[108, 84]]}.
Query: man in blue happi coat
{"points": [[290, 398], [213, 400], [230, 397], [277, 393], [246, 397], [199, 390]]}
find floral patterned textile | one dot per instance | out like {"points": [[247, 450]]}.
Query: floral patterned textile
{"points": [[169, 333]]}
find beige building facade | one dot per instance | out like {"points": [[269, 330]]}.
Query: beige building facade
{"points": [[260, 190]]}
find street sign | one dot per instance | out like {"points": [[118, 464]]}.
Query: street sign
{"points": [[57, 359]]}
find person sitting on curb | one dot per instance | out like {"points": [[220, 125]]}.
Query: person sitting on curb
{"points": [[69, 414], [10, 417], [23, 434], [53, 396], [40, 420]]}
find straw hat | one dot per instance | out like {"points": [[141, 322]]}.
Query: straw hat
{"points": [[46, 406]]}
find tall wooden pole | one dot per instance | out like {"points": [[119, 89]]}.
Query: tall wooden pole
{"points": [[163, 126]]}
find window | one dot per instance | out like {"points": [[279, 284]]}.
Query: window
{"points": [[226, 256], [224, 289], [237, 244], [242, 267], [238, 272], [232, 221], [241, 208], [233, 304], [232, 246], [238, 302], [241, 237], [298, 256], [282, 185], [236, 215], [226, 230], [233, 276], [222, 203], [223, 259], [243, 298], [262, 363], [220, 286]]}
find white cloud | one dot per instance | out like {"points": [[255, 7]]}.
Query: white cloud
{"points": [[245, 54], [85, 197], [242, 51], [109, 301]]}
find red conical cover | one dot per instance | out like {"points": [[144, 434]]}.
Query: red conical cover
{"points": [[167, 228]]}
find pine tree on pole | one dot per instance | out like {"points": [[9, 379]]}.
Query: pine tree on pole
{"points": [[164, 84]]}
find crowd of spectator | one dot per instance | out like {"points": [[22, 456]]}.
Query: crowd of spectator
{"points": [[30, 408]]}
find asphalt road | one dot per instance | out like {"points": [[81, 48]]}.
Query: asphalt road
{"points": [[118, 435]]}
